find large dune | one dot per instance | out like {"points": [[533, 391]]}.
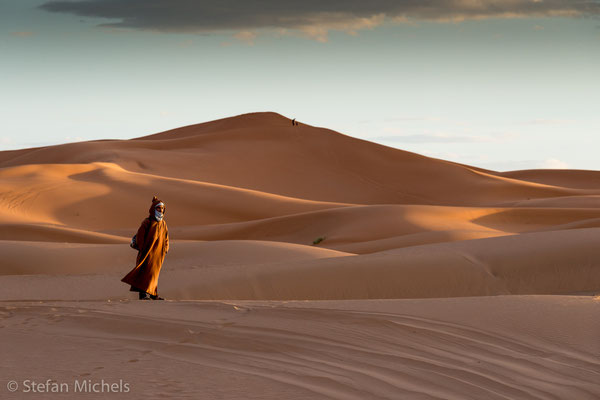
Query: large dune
{"points": [[484, 273]]}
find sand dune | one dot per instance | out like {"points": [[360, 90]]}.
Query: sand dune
{"points": [[304, 263], [577, 179], [56, 233], [530, 263], [264, 152], [460, 348], [583, 201], [58, 258], [105, 196], [535, 264], [359, 224]]}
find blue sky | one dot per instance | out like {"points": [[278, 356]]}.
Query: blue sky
{"points": [[510, 89]]}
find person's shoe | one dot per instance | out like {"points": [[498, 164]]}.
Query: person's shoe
{"points": [[153, 297], [144, 296]]}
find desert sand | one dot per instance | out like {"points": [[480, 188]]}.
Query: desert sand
{"points": [[431, 279]]}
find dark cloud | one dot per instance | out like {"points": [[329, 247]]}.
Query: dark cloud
{"points": [[313, 17]]}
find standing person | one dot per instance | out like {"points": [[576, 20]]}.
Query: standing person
{"points": [[152, 239]]}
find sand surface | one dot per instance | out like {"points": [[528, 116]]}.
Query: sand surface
{"points": [[431, 279]]}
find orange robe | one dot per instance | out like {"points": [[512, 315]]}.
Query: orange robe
{"points": [[153, 241]]}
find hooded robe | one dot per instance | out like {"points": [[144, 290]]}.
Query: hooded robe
{"points": [[153, 242]]}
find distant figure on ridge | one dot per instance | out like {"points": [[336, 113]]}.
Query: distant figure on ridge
{"points": [[152, 243], [294, 122]]}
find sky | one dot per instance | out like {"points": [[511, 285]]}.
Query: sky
{"points": [[503, 85]]}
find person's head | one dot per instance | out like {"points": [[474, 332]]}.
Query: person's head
{"points": [[157, 209]]}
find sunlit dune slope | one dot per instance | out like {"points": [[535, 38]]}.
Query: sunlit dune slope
{"points": [[105, 196], [362, 229]]}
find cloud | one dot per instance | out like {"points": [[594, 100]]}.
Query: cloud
{"points": [[309, 18], [404, 119], [70, 139], [442, 137], [186, 43], [432, 138], [246, 37], [548, 122], [553, 163], [22, 34]]}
